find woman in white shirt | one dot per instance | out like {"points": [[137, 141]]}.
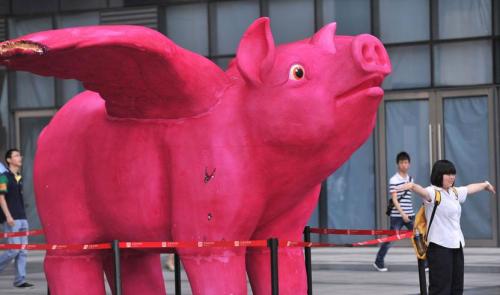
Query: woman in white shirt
{"points": [[444, 254]]}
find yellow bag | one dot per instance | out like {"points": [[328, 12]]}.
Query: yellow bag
{"points": [[421, 230]]}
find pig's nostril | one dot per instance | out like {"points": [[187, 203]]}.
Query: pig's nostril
{"points": [[366, 53], [373, 54], [369, 52]]}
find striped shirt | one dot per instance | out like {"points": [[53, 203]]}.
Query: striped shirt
{"points": [[404, 197]]}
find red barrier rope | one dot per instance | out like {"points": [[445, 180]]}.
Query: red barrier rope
{"points": [[137, 245], [368, 232], [194, 244], [386, 239], [55, 246], [357, 244], [395, 235], [36, 232]]}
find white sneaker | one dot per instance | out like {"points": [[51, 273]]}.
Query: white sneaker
{"points": [[380, 268]]}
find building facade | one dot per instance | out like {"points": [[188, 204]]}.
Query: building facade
{"points": [[442, 99]]}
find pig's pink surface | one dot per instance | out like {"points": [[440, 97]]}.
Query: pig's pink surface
{"points": [[128, 159]]}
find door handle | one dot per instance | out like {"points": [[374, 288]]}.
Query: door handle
{"points": [[440, 152], [430, 146]]}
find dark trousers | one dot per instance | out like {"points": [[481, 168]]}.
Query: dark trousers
{"points": [[397, 223], [446, 270]]}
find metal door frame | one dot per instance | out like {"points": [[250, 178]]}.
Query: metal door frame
{"points": [[489, 93], [382, 169]]}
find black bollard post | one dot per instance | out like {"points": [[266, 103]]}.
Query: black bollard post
{"points": [[116, 254], [421, 277], [272, 243], [48, 290], [307, 255], [177, 272]]}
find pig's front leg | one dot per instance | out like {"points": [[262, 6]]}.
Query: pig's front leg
{"points": [[291, 271], [291, 266]]}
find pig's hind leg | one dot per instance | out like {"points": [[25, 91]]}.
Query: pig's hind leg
{"points": [[74, 273], [66, 220]]}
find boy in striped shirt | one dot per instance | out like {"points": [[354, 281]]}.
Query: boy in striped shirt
{"points": [[402, 212]]}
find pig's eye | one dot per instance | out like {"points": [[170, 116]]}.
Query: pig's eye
{"points": [[297, 72]]}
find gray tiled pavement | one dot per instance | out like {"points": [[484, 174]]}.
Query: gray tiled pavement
{"points": [[336, 271]]}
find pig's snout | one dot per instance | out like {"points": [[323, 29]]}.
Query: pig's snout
{"points": [[369, 52]]}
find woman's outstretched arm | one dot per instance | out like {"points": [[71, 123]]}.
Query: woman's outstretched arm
{"points": [[477, 187], [414, 187]]}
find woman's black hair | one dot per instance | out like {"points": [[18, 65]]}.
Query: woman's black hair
{"points": [[440, 168]]}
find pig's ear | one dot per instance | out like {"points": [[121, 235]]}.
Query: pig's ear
{"points": [[256, 51], [325, 37]]}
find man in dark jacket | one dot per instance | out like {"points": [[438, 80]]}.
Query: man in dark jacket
{"points": [[13, 216]]}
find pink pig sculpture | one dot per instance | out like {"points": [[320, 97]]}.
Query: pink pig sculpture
{"points": [[165, 145]]}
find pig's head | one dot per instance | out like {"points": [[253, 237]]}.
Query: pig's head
{"points": [[325, 89]]}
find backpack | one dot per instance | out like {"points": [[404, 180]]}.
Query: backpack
{"points": [[421, 230], [390, 204]]}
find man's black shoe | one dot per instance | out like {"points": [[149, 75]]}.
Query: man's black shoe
{"points": [[25, 285]]}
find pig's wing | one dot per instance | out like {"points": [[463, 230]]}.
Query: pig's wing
{"points": [[138, 71]]}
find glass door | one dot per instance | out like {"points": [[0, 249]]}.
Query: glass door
{"points": [[406, 126], [465, 123], [454, 125]]}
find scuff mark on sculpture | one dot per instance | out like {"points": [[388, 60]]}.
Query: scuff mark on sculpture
{"points": [[208, 176]]}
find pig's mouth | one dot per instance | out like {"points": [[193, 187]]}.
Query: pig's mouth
{"points": [[371, 86]]}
